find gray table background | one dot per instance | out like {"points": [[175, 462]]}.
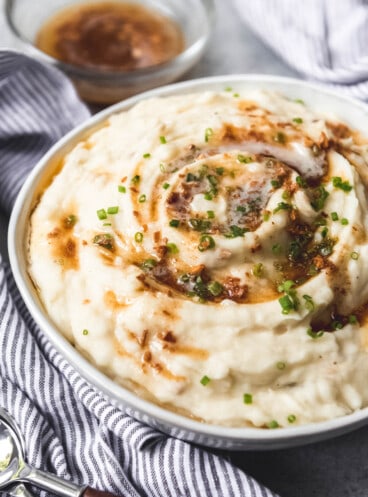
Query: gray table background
{"points": [[336, 468]]}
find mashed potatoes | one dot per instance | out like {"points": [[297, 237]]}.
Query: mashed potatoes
{"points": [[209, 252]]}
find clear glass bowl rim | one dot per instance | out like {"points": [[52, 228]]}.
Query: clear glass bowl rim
{"points": [[172, 65]]}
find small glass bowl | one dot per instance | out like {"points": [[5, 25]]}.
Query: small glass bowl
{"points": [[194, 17]]}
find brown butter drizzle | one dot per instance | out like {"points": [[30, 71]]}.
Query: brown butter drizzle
{"points": [[64, 246]]}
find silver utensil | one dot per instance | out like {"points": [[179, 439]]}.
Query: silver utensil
{"points": [[14, 470], [18, 490]]}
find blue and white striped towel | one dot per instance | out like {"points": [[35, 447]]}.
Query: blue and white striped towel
{"points": [[69, 428], [325, 40]]}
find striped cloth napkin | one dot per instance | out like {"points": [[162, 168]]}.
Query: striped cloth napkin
{"points": [[70, 429], [325, 40]]}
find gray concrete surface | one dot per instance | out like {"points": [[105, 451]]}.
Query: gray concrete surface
{"points": [[336, 468]]}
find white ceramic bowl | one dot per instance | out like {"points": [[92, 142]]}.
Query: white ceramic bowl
{"points": [[354, 113]]}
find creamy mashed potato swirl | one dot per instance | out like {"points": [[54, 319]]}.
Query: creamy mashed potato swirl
{"points": [[209, 252]]}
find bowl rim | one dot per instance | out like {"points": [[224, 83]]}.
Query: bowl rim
{"points": [[116, 393], [181, 60]]}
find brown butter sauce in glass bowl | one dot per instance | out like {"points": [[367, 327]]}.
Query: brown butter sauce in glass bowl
{"points": [[113, 49], [110, 36]]}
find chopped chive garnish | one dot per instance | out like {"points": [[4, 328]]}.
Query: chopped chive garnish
{"points": [[279, 137], [85, 332], [272, 424], [281, 365], [308, 304], [142, 198], [314, 334], [163, 139], [199, 224], [326, 249], [101, 214], [324, 232], [282, 206], [344, 221], [228, 88], [138, 237], [122, 189], [297, 120], [208, 196], [205, 380], [146, 155], [276, 249], [334, 216], [215, 288], [107, 224], [162, 167], [266, 216], [206, 242], [313, 270], [354, 256], [165, 186], [236, 231], [174, 223], [104, 240], [286, 286], [248, 398], [203, 169], [244, 159], [241, 208], [172, 248], [353, 319], [337, 325], [236, 95], [301, 182], [191, 177], [291, 418], [319, 197], [184, 278], [148, 264], [287, 305], [290, 301], [113, 210], [320, 221], [200, 289], [136, 179], [207, 134], [285, 195], [343, 185], [70, 221], [210, 214], [212, 180], [257, 270], [275, 183], [220, 170], [299, 101]]}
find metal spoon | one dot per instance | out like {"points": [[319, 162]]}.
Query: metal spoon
{"points": [[14, 470], [17, 489]]}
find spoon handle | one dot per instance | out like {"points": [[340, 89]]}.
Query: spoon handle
{"points": [[50, 482], [92, 492], [56, 485]]}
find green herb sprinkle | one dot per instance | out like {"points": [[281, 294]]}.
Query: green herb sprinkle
{"points": [[205, 380]]}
